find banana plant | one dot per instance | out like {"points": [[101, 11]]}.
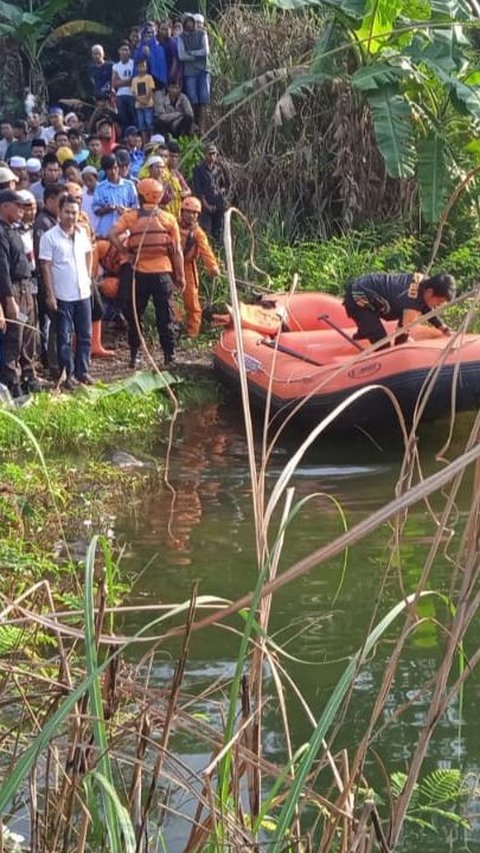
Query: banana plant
{"points": [[412, 64], [29, 27]]}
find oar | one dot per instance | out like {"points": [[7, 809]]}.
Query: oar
{"points": [[340, 331], [288, 351]]}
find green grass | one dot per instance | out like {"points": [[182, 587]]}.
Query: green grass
{"points": [[82, 420]]}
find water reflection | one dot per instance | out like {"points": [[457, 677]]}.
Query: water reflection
{"points": [[201, 528]]}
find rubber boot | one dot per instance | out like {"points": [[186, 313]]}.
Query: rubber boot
{"points": [[98, 350]]}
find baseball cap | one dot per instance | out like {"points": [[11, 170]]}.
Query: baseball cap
{"points": [[33, 165], [10, 196], [6, 175], [27, 197], [17, 162]]}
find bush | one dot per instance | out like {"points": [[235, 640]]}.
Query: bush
{"points": [[328, 266]]}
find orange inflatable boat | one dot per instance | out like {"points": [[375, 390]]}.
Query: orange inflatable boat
{"points": [[300, 348]]}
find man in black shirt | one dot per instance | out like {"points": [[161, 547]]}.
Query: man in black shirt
{"points": [[15, 295], [403, 297], [210, 186]]}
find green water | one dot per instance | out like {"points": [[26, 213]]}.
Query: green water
{"points": [[203, 530]]}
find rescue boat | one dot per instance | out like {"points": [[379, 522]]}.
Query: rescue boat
{"points": [[299, 349]]}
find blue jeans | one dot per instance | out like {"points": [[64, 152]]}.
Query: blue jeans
{"points": [[144, 118], [75, 317], [126, 111], [197, 88]]}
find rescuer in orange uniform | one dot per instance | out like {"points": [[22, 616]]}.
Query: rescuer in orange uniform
{"points": [[155, 251], [194, 245]]}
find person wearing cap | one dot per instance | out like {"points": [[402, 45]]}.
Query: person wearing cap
{"points": [[51, 174], [71, 121], [45, 219], [21, 145], [112, 196], [90, 180], [18, 166], [156, 255], [199, 21], [55, 117], [66, 261], [195, 246], [64, 153], [122, 75], [173, 111], [135, 153], [100, 73], [193, 53], [15, 295], [8, 181], [153, 54], [34, 167], [30, 381], [210, 185]]}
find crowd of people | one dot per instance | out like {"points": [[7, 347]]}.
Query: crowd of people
{"points": [[96, 208]]}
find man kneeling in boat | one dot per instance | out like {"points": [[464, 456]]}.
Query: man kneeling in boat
{"points": [[403, 297]]}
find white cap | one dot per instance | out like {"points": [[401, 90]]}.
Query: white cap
{"points": [[17, 162], [27, 197], [155, 160], [158, 139], [33, 165], [89, 170], [7, 175], [198, 18]]}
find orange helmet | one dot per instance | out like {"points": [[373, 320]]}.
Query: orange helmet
{"points": [[150, 190], [191, 203]]}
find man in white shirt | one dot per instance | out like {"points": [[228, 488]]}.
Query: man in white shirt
{"points": [[66, 262], [122, 73]]}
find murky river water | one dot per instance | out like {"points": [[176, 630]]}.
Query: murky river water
{"points": [[204, 530]]}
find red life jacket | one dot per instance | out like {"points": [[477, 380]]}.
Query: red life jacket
{"points": [[149, 235]]}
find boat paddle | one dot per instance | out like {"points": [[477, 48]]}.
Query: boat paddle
{"points": [[281, 348], [340, 331]]}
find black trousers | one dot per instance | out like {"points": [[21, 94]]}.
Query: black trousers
{"points": [[212, 223], [19, 339], [158, 286], [369, 325]]}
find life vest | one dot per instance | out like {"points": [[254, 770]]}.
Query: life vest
{"points": [[149, 236], [189, 244]]}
